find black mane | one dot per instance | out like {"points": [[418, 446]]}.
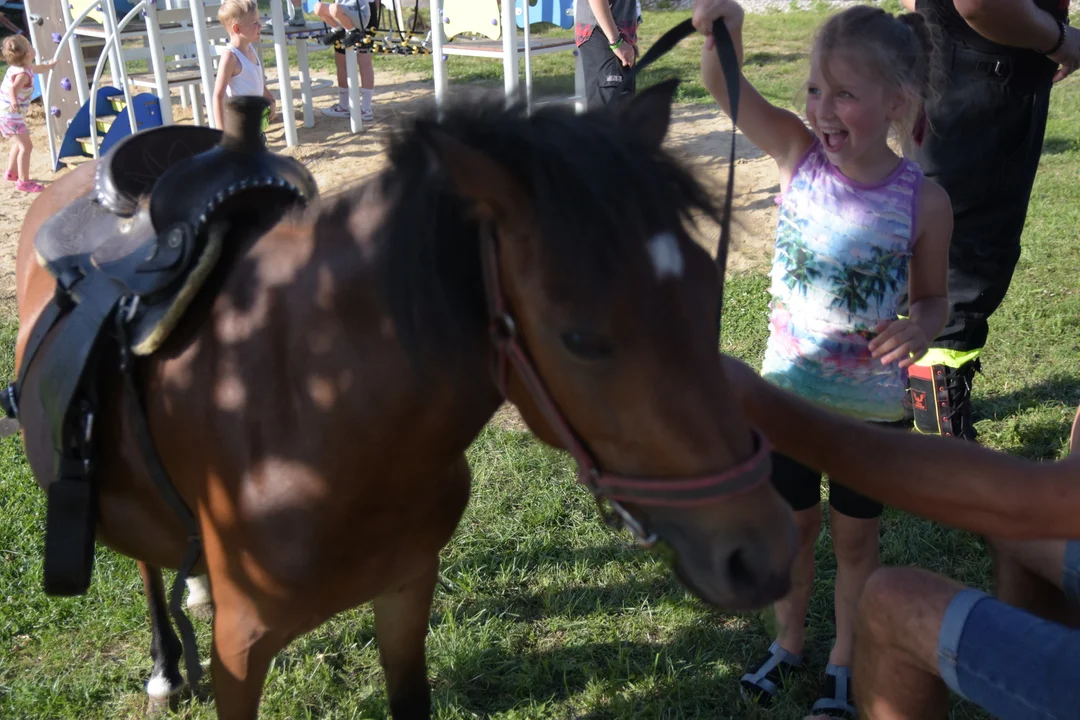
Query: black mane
{"points": [[598, 191]]}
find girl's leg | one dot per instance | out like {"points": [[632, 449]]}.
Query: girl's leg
{"points": [[800, 486], [854, 521], [855, 542], [23, 159], [13, 161], [791, 611]]}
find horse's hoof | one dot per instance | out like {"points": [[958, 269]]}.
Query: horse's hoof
{"points": [[162, 696]]}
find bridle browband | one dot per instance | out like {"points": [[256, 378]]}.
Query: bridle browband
{"points": [[618, 489]]}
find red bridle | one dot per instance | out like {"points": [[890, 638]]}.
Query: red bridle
{"points": [[616, 489]]}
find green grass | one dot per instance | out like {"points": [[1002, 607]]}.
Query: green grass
{"points": [[552, 615]]}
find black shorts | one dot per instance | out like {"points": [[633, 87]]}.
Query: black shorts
{"points": [[605, 76], [800, 486]]}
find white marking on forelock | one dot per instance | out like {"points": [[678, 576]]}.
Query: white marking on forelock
{"points": [[159, 687], [666, 257]]}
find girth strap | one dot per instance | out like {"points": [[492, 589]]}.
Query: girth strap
{"points": [[160, 477]]}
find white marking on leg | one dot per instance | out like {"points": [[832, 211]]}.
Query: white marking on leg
{"points": [[198, 590], [160, 688], [666, 257]]}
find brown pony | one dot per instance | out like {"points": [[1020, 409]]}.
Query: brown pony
{"points": [[314, 406]]}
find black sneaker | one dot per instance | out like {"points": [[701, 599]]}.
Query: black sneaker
{"points": [[333, 36], [353, 38]]}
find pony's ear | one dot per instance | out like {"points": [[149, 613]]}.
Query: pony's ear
{"points": [[477, 177], [648, 114]]}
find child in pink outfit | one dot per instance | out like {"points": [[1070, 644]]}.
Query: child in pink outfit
{"points": [[15, 92]]}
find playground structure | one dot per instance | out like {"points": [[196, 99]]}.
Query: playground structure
{"points": [[180, 42], [486, 18]]}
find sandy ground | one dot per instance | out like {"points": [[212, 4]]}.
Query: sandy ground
{"points": [[338, 158]]}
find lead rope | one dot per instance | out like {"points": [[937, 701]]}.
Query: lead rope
{"points": [[729, 63]]}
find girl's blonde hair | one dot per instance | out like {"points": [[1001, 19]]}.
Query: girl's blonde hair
{"points": [[898, 50], [233, 11], [17, 51]]}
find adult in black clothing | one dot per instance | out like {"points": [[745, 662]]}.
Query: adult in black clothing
{"points": [[982, 144]]}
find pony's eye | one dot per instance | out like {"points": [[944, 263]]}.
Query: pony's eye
{"points": [[587, 346]]}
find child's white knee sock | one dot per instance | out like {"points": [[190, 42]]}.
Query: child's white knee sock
{"points": [[365, 99]]}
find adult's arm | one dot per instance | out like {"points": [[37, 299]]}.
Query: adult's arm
{"points": [[602, 12], [954, 482], [1019, 23]]}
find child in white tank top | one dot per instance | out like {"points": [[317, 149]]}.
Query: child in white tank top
{"points": [[240, 71]]}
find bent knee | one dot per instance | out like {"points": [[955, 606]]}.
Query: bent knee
{"points": [[904, 608]]}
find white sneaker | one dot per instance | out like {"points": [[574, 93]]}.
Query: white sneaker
{"points": [[336, 111], [367, 115]]}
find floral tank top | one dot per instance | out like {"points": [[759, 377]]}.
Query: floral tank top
{"points": [[839, 269]]}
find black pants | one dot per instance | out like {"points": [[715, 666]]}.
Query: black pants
{"points": [[983, 146], [605, 76]]}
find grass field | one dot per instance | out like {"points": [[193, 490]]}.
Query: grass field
{"points": [[552, 615]]}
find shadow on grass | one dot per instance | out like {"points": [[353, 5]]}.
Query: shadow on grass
{"points": [[678, 673], [1060, 146], [1037, 437]]}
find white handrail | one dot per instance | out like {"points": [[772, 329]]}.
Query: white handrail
{"points": [[157, 63], [110, 43]]}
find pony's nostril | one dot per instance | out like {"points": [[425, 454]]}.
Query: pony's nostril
{"points": [[739, 570]]}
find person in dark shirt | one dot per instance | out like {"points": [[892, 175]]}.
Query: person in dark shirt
{"points": [[982, 142], [606, 37]]}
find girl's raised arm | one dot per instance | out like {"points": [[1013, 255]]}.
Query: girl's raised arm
{"points": [[779, 133]]}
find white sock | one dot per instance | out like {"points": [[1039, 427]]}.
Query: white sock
{"points": [[343, 97], [365, 99]]}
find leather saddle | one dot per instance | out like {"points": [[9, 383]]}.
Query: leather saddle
{"points": [[128, 258], [155, 196]]}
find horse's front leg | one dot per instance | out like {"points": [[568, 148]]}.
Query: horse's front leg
{"points": [[243, 648], [401, 624], [165, 647]]}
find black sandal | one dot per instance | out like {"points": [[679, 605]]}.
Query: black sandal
{"points": [[761, 684], [836, 698]]}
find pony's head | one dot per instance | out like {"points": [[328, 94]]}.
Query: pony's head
{"points": [[604, 312]]}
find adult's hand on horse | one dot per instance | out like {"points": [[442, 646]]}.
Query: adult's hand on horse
{"points": [[707, 12], [1068, 57]]}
